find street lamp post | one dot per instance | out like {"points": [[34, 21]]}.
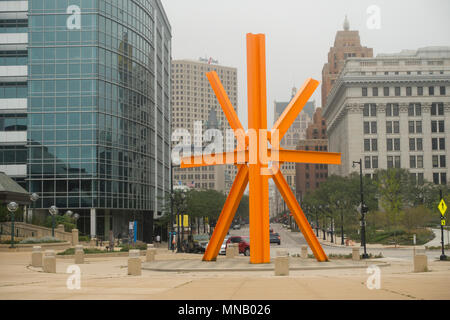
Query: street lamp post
{"points": [[12, 208], [342, 221], [363, 210], [331, 222], [76, 216], [53, 212], [34, 197], [323, 225]]}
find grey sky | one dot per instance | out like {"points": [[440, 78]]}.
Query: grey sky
{"points": [[298, 35]]}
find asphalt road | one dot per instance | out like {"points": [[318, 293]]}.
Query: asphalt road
{"points": [[292, 241]]}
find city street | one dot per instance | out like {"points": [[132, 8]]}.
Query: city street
{"points": [[292, 241]]}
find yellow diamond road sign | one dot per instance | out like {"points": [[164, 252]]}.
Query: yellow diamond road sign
{"points": [[442, 207], [443, 222]]}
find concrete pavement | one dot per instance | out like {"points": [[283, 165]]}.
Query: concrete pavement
{"points": [[106, 278]]}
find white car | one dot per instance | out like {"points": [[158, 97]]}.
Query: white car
{"points": [[223, 248]]}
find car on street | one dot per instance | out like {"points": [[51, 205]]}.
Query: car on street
{"points": [[223, 248], [244, 245], [237, 227], [275, 238]]}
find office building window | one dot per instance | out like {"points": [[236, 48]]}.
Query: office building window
{"points": [[412, 162], [420, 178], [375, 92], [418, 126], [388, 126], [441, 126], [397, 144], [373, 110], [436, 178], [374, 145], [373, 127], [390, 161], [412, 144], [420, 162], [364, 92], [434, 143], [411, 126], [397, 91], [408, 91], [443, 178], [442, 162], [375, 162], [397, 161], [389, 144], [434, 126], [420, 91], [366, 144], [386, 91], [366, 110], [366, 127], [431, 91], [435, 161], [442, 91], [367, 162], [396, 127], [419, 144], [441, 143], [392, 110], [440, 109]]}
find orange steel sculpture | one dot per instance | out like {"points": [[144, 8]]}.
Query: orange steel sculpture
{"points": [[250, 172]]}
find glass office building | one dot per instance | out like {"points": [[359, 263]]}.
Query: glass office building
{"points": [[99, 111]]}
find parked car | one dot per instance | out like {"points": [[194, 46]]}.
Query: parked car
{"points": [[275, 238], [236, 227], [223, 248], [244, 245]]}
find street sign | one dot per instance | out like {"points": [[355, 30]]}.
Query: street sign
{"points": [[442, 207], [442, 222]]}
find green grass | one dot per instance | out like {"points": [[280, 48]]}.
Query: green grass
{"points": [[347, 256], [447, 247]]}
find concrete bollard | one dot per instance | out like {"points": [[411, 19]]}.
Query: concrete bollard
{"points": [[93, 242], [60, 228], [36, 256], [79, 254], [134, 263], [231, 250], [419, 250], [75, 237], [282, 266], [282, 253], [420, 263], [355, 254], [151, 253], [304, 253], [49, 261]]}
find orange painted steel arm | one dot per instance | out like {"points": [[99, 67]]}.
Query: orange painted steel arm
{"points": [[291, 112], [224, 101], [300, 156], [299, 216], [227, 214]]}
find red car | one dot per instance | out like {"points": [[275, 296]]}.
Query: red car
{"points": [[244, 246]]}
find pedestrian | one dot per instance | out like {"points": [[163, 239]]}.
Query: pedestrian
{"points": [[158, 239]]}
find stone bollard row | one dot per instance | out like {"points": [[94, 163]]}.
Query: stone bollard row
{"points": [[36, 256], [282, 263], [231, 250], [49, 261], [79, 254], [134, 263], [151, 253], [355, 254], [304, 253]]}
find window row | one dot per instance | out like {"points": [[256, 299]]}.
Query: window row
{"points": [[13, 90], [393, 109], [13, 155], [442, 176], [408, 91], [13, 122]]}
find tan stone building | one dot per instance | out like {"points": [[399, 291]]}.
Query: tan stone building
{"points": [[194, 100], [347, 44]]}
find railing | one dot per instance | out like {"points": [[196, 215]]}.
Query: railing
{"points": [[24, 230]]}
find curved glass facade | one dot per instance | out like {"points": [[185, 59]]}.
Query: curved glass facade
{"points": [[98, 124]]}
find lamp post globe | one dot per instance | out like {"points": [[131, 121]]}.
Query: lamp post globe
{"points": [[69, 213], [53, 212], [12, 207]]}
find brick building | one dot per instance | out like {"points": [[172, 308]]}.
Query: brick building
{"points": [[309, 176], [347, 44]]}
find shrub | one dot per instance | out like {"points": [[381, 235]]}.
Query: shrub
{"points": [[83, 238], [139, 245], [71, 251], [68, 222], [40, 240]]}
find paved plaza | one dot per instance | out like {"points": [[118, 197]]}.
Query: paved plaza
{"points": [[106, 278]]}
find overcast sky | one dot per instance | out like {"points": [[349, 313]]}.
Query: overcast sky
{"points": [[298, 35]]}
